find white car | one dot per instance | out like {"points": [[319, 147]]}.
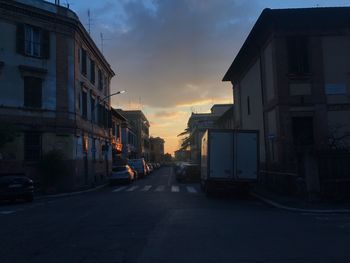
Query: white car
{"points": [[122, 173]]}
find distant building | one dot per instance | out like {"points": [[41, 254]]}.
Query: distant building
{"points": [[226, 120], [291, 82], [53, 87], [140, 126], [157, 149], [198, 123], [118, 121]]}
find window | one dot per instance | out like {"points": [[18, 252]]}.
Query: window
{"points": [[83, 62], [32, 92], [92, 71], [248, 105], [118, 131], [92, 100], [33, 41], [100, 80], [84, 104], [32, 146], [114, 129], [298, 55]]}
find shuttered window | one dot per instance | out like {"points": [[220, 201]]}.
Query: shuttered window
{"points": [[32, 92], [83, 62], [32, 146], [84, 104], [92, 71], [33, 41]]}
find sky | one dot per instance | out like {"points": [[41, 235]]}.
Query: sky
{"points": [[170, 55]]}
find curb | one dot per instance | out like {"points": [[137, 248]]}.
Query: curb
{"points": [[293, 209], [69, 194]]}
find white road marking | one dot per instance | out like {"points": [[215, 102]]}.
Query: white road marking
{"points": [[175, 189], [120, 189], [132, 188], [7, 212], [146, 188], [160, 188], [191, 189]]}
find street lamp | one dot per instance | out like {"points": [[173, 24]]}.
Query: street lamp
{"points": [[116, 93]]}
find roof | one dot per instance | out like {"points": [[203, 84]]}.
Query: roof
{"points": [[133, 114], [301, 19], [117, 114]]}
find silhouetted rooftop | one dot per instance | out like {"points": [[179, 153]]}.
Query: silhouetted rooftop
{"points": [[300, 19]]}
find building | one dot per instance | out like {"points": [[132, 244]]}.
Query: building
{"points": [[129, 139], [117, 142], [139, 125], [54, 85], [157, 149], [197, 124], [291, 82], [226, 120]]}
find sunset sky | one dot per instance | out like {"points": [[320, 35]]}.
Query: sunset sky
{"points": [[170, 55]]}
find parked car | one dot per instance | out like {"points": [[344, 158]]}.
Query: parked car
{"points": [[14, 187], [150, 167], [189, 172], [122, 173], [139, 165]]}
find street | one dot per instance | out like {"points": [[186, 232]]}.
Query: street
{"points": [[158, 220]]}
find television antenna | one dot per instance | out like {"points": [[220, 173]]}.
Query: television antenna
{"points": [[89, 21], [102, 41]]}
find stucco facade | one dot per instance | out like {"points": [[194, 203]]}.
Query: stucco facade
{"points": [[293, 85], [46, 93]]}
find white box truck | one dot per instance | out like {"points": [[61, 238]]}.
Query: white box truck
{"points": [[229, 159]]}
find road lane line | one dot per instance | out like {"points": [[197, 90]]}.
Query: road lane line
{"points": [[191, 189], [132, 188], [160, 188], [146, 188], [120, 189], [175, 189]]}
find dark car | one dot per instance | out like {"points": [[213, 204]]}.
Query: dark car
{"points": [[189, 172], [14, 187]]}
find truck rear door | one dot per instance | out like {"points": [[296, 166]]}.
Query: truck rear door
{"points": [[246, 153], [221, 155]]}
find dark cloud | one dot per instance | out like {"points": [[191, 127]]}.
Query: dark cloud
{"points": [[173, 51]]}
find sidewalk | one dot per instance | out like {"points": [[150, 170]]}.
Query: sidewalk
{"points": [[296, 204], [46, 196]]}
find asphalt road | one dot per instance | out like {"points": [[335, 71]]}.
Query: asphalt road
{"points": [[158, 220]]}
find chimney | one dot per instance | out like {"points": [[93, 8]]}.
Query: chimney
{"points": [[57, 2]]}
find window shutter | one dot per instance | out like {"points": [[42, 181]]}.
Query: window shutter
{"points": [[45, 44], [20, 39]]}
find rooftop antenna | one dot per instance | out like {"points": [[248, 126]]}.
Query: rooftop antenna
{"points": [[102, 41], [68, 4], [89, 22]]}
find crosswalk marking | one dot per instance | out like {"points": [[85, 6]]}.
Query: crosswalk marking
{"points": [[175, 188], [146, 188], [191, 189], [160, 188], [120, 189], [132, 188]]}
